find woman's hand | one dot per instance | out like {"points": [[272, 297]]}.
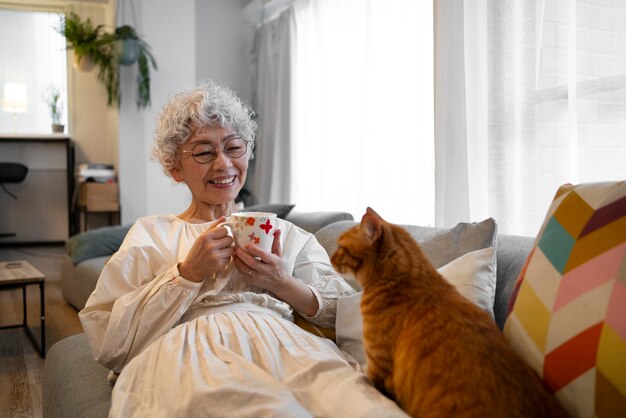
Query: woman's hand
{"points": [[262, 269], [210, 254], [268, 271]]}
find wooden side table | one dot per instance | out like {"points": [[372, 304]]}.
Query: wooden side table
{"points": [[98, 198], [21, 273]]}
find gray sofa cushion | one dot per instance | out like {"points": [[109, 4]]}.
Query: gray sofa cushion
{"points": [[280, 209], [328, 235], [440, 245], [95, 243], [511, 253], [314, 221]]}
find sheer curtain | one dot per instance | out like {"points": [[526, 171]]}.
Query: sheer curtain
{"points": [[529, 95], [363, 108], [270, 172]]}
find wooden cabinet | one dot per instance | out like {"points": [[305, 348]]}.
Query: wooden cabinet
{"points": [[98, 198]]}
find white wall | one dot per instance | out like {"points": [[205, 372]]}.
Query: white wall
{"points": [[221, 51], [191, 40], [93, 125]]}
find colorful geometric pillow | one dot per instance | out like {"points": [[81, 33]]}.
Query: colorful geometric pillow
{"points": [[568, 311]]}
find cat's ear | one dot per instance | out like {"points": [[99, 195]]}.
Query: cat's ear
{"points": [[371, 225], [373, 212]]}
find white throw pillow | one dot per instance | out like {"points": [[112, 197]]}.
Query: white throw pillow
{"points": [[473, 274]]}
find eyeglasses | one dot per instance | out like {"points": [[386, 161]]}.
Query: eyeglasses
{"points": [[205, 153]]}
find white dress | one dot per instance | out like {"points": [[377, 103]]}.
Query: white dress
{"points": [[219, 348]]}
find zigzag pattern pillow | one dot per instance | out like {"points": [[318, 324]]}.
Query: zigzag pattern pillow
{"points": [[568, 311]]}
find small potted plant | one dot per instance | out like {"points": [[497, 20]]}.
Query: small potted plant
{"points": [[53, 100]]}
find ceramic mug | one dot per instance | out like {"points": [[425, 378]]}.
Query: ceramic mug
{"points": [[255, 228]]}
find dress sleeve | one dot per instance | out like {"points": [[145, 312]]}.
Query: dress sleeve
{"points": [[313, 267], [132, 306]]}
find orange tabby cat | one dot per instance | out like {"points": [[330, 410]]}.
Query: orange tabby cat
{"points": [[428, 347]]}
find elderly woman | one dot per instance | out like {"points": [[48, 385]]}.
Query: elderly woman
{"points": [[195, 327]]}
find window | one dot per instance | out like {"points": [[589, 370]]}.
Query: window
{"points": [[540, 89], [581, 88], [578, 105], [32, 53], [363, 109]]}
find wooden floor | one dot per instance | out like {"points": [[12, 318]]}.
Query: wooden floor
{"points": [[20, 365]]}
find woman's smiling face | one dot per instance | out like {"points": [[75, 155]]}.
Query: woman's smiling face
{"points": [[218, 181]]}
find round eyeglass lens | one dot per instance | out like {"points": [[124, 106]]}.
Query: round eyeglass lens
{"points": [[233, 148]]}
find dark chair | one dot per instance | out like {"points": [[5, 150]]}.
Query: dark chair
{"points": [[11, 173]]}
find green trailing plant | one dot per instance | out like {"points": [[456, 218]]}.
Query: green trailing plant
{"points": [[83, 37], [103, 49], [144, 60]]}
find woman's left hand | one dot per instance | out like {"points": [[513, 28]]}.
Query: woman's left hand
{"points": [[263, 269]]}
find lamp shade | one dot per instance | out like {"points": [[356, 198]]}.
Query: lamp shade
{"points": [[14, 100]]}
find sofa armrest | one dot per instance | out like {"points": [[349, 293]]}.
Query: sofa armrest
{"points": [[74, 384], [313, 221], [79, 281]]}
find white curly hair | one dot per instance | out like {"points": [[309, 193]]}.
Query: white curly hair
{"points": [[206, 105]]}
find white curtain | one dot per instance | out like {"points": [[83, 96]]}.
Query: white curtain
{"points": [[529, 95], [269, 177], [460, 109], [363, 108]]}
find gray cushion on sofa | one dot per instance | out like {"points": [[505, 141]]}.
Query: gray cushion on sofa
{"points": [[95, 243], [313, 221], [74, 385], [511, 253], [280, 209], [327, 236], [440, 245]]}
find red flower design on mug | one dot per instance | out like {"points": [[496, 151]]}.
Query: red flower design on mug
{"points": [[266, 227], [254, 238], [250, 221]]}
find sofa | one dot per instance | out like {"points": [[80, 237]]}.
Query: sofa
{"points": [[75, 385]]}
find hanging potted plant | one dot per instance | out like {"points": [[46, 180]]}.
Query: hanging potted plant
{"points": [[106, 51], [83, 38], [132, 49], [127, 45]]}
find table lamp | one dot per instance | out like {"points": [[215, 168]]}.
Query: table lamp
{"points": [[14, 100]]}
